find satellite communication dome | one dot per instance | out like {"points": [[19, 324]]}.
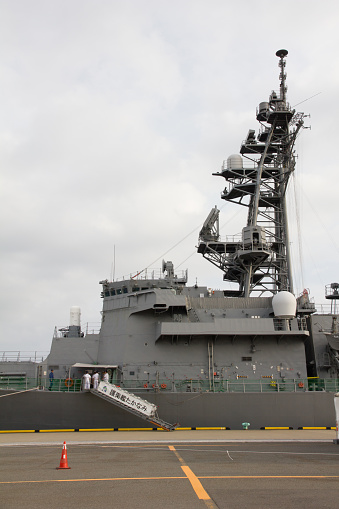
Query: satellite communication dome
{"points": [[234, 162], [284, 305]]}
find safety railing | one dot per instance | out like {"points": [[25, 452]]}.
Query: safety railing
{"points": [[174, 385], [18, 383], [22, 356], [323, 309], [240, 385], [87, 328]]}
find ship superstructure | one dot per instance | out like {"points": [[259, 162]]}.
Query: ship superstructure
{"points": [[156, 330]]}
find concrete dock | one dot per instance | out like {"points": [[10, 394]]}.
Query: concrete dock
{"points": [[174, 470]]}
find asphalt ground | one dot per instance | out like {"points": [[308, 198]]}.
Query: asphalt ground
{"points": [[182, 469]]}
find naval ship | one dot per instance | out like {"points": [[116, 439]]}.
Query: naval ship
{"points": [[252, 354]]}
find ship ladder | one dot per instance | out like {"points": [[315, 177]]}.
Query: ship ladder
{"points": [[153, 419]]}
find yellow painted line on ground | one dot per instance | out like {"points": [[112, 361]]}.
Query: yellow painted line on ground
{"points": [[191, 474], [193, 479], [196, 484], [172, 448], [93, 480]]}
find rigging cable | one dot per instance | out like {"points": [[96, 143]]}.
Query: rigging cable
{"points": [[315, 95], [330, 236], [168, 250], [297, 214], [177, 244]]}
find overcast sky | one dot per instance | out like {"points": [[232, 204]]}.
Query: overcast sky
{"points": [[113, 116]]}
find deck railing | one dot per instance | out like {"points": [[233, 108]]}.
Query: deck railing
{"points": [[21, 383], [22, 356]]}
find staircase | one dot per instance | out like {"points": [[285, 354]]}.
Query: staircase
{"points": [[132, 404]]}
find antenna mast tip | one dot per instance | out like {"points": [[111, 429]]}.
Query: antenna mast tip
{"points": [[281, 53]]}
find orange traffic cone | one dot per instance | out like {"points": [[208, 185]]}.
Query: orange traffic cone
{"points": [[63, 460]]}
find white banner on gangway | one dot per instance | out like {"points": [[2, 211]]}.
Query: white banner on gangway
{"points": [[127, 399]]}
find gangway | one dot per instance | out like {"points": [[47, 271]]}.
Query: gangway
{"points": [[131, 403]]}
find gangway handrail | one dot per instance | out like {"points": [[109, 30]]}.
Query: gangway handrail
{"points": [[142, 408]]}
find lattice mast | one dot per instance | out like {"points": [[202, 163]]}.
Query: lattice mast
{"points": [[261, 261]]}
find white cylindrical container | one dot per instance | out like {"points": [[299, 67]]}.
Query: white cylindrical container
{"points": [[75, 315], [284, 305]]}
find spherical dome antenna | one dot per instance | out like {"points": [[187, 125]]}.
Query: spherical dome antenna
{"points": [[234, 162], [284, 305]]}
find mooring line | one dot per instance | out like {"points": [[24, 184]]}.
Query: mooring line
{"points": [[19, 392]]}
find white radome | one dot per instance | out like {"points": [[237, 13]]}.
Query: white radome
{"points": [[234, 162], [284, 305]]}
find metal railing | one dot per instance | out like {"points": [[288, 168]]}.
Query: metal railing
{"points": [[188, 385], [22, 356], [22, 383], [87, 328], [240, 385], [323, 309]]}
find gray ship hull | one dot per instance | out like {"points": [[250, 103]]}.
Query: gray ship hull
{"points": [[50, 411]]}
